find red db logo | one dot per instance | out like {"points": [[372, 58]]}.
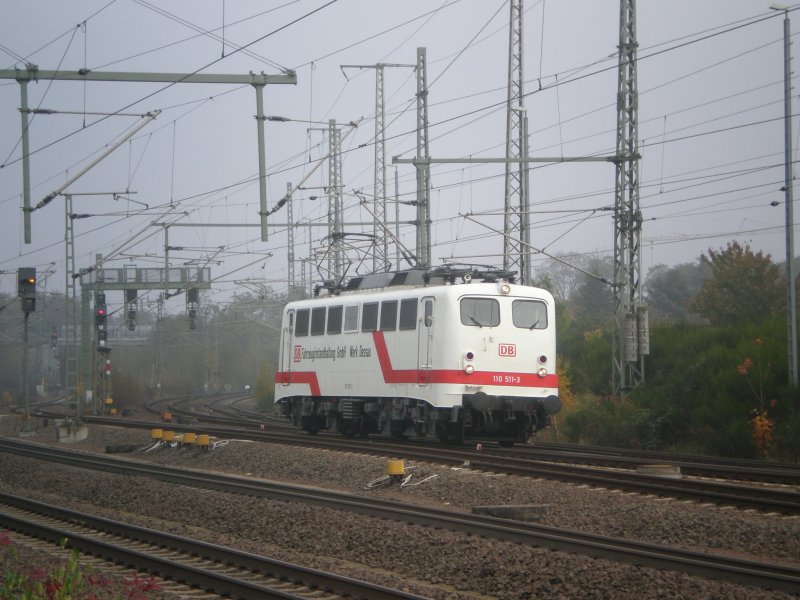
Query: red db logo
{"points": [[298, 353], [507, 349]]}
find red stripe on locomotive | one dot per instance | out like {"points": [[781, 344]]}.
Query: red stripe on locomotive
{"points": [[422, 376]]}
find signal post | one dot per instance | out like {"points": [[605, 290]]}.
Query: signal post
{"points": [[26, 289]]}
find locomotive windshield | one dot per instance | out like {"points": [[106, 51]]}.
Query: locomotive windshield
{"points": [[480, 312], [529, 314]]}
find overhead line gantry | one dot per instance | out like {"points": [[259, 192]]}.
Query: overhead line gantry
{"points": [[33, 73]]}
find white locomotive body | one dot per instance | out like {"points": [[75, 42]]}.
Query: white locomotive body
{"points": [[454, 361]]}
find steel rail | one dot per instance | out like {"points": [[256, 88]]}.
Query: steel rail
{"points": [[80, 531], [640, 553], [695, 465], [764, 499], [710, 466]]}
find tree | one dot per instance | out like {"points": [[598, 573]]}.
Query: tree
{"points": [[564, 273], [743, 286], [562, 278], [593, 299], [670, 291]]}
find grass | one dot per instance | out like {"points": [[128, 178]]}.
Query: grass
{"points": [[25, 577]]}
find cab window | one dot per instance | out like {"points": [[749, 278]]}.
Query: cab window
{"points": [[480, 312], [529, 314]]}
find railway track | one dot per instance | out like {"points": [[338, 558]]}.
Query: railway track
{"points": [[698, 466], [213, 568], [696, 563], [225, 411], [599, 467], [762, 498]]}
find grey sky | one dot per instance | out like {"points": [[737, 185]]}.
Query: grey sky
{"points": [[711, 127]]}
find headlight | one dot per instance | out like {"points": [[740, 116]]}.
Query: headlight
{"points": [[505, 289], [469, 369], [542, 372]]}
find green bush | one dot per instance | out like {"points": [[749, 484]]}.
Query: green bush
{"points": [[264, 390], [702, 387]]}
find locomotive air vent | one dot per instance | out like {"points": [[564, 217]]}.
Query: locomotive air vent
{"points": [[399, 278], [354, 283]]}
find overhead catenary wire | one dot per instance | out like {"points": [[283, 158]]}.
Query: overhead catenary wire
{"points": [[204, 67], [662, 146]]}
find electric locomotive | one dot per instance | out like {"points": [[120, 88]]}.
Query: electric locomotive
{"points": [[447, 354]]}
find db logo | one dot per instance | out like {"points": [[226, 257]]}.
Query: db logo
{"points": [[507, 349], [298, 353]]}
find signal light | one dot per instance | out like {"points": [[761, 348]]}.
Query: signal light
{"points": [[130, 308], [100, 315], [26, 287]]}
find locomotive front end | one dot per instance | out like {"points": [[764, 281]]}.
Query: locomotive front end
{"points": [[508, 357]]}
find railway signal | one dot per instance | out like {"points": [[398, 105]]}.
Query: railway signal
{"points": [[130, 309], [100, 320], [192, 304], [26, 277]]}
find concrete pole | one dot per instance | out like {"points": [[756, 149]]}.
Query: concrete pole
{"points": [[791, 300]]}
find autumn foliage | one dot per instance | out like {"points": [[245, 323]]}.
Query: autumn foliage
{"points": [[761, 423], [742, 286]]}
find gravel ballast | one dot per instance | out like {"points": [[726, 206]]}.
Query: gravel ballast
{"points": [[434, 563]]}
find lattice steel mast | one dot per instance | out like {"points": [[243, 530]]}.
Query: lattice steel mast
{"points": [[380, 258], [630, 335], [335, 256], [291, 282], [380, 255], [423, 167], [515, 229]]}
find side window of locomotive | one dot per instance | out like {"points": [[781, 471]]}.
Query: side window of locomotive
{"points": [[480, 312], [529, 314], [350, 319], [369, 317], [408, 314], [389, 315], [428, 313], [290, 318], [335, 319], [301, 324], [318, 321]]}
